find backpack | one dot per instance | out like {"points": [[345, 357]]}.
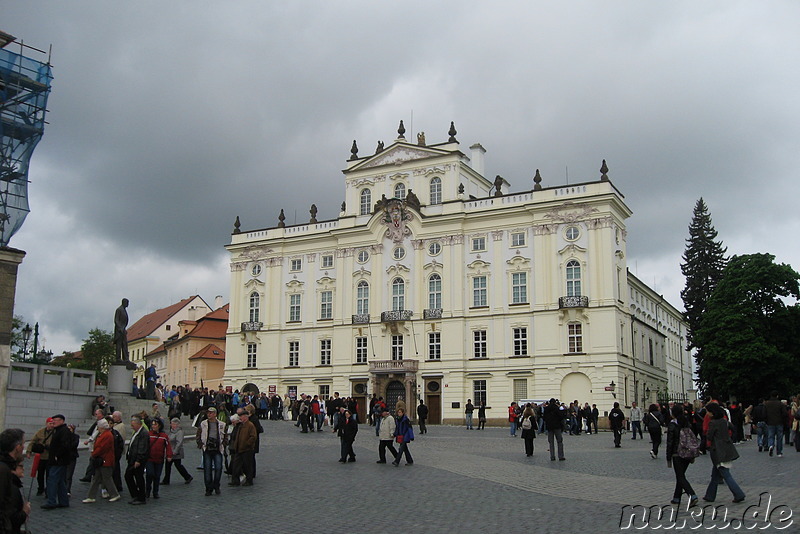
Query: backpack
{"points": [[526, 424], [119, 444], [688, 444]]}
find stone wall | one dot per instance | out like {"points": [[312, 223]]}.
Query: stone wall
{"points": [[9, 262]]}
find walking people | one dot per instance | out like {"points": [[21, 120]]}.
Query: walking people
{"points": [[553, 416], [403, 435], [723, 453], [176, 437], [528, 430], [138, 452], [678, 425], [468, 410], [653, 421], [347, 430], [636, 420], [617, 420], [104, 458], [160, 452], [422, 417], [212, 440], [775, 413], [387, 428]]}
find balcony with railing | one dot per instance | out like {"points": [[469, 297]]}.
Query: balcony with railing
{"points": [[360, 318], [394, 366], [433, 313], [575, 301], [252, 326], [396, 315]]}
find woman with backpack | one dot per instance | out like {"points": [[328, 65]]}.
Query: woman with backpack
{"points": [[682, 448], [653, 421], [528, 429]]}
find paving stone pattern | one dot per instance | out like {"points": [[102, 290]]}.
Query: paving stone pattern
{"points": [[461, 481]]}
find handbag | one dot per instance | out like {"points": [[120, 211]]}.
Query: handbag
{"points": [[97, 462], [399, 438]]}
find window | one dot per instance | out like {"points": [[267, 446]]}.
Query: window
{"points": [[256, 270], [296, 265], [399, 253], [363, 256], [400, 191], [435, 292], [573, 279], [436, 191], [519, 288], [366, 202], [324, 391], [479, 391], [479, 292], [479, 343], [324, 351], [294, 308], [520, 342], [397, 348], [255, 301], [572, 233], [326, 305], [361, 350], [398, 294], [478, 244], [650, 342], [434, 345], [434, 249], [252, 349], [294, 353], [520, 388], [575, 337], [327, 261], [362, 298], [518, 240]]}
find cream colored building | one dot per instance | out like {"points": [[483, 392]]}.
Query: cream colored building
{"points": [[439, 284]]}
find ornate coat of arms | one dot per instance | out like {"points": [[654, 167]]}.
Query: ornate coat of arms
{"points": [[396, 215]]}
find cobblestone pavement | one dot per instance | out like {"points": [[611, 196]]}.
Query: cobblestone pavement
{"points": [[462, 481]]}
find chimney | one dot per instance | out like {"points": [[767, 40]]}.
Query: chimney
{"points": [[217, 302], [478, 158], [192, 314]]}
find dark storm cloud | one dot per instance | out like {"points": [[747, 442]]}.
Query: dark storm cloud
{"points": [[170, 119]]}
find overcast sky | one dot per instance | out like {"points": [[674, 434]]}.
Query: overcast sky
{"points": [[169, 119]]}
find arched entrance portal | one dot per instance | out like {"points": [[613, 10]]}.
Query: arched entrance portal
{"points": [[395, 391], [250, 388], [576, 386]]}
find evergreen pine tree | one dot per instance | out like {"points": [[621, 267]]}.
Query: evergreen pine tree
{"points": [[703, 262]]}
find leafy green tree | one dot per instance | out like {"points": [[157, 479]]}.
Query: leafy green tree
{"points": [[703, 262], [98, 353], [17, 342], [750, 329]]}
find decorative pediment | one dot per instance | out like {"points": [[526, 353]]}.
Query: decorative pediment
{"points": [[399, 154], [254, 252], [569, 212], [519, 262], [361, 273], [572, 249], [253, 283], [433, 266], [326, 282], [397, 269], [294, 285], [478, 266], [398, 176]]}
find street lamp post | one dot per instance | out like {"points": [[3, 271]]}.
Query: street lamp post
{"points": [[26, 336]]}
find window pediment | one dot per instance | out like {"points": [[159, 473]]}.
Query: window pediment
{"points": [[253, 283], [433, 266], [362, 273], [478, 266], [397, 269], [519, 262], [326, 283], [295, 285], [572, 249]]}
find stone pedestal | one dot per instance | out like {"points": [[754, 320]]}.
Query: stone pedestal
{"points": [[9, 262], [120, 379]]}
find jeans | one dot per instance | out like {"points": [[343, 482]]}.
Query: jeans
{"points": [[152, 477], [212, 469], [513, 428], [320, 420], [723, 473], [57, 486], [775, 433], [557, 435], [469, 420], [636, 425], [761, 433]]}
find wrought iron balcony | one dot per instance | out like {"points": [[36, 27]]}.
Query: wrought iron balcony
{"points": [[577, 301], [252, 326], [433, 313], [397, 315], [393, 366], [361, 318]]}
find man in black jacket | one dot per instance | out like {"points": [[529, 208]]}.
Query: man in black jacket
{"points": [[138, 451], [553, 420], [61, 453], [13, 510]]}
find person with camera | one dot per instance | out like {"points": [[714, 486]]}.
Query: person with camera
{"points": [[211, 439], [40, 444]]}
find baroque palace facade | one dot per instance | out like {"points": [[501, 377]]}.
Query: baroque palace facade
{"points": [[435, 283]]}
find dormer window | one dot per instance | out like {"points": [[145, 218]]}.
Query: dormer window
{"points": [[400, 191]]}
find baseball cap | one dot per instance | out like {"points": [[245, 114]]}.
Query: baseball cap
{"points": [[212, 409]]}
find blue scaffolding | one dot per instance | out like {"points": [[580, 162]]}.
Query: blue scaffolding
{"points": [[24, 88]]}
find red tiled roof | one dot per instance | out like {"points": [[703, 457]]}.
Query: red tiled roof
{"points": [[209, 352], [159, 348], [150, 322], [219, 313]]}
